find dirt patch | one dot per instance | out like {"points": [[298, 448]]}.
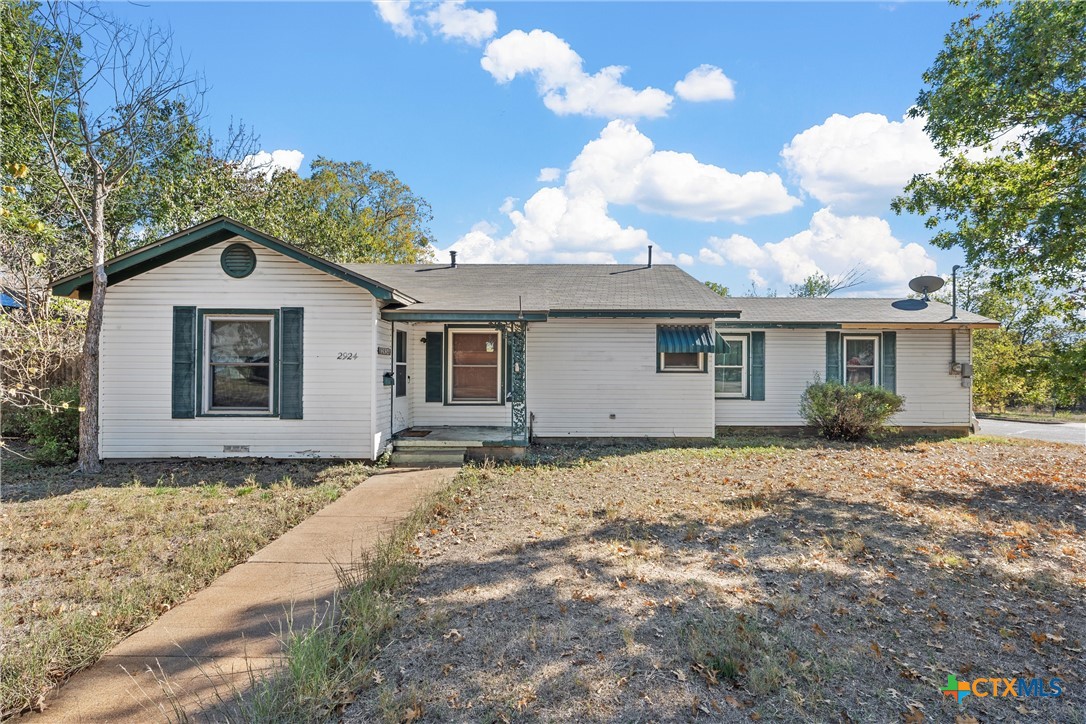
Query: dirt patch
{"points": [[780, 580], [88, 560]]}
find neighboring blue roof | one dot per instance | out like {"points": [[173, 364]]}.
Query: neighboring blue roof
{"points": [[6, 300]]}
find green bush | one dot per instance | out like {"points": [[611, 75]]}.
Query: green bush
{"points": [[54, 430], [14, 421], [848, 412]]}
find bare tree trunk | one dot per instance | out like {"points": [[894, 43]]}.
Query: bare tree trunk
{"points": [[89, 460]]}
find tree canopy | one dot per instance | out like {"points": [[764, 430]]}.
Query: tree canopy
{"points": [[347, 211], [1005, 102], [1037, 357]]}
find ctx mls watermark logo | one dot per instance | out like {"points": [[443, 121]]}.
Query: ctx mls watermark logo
{"points": [[1000, 687]]}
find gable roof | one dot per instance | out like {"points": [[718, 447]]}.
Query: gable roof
{"points": [[851, 311], [543, 290], [201, 236], [499, 292]]}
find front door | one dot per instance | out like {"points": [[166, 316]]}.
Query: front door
{"points": [[400, 412]]}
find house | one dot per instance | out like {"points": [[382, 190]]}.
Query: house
{"points": [[223, 341]]}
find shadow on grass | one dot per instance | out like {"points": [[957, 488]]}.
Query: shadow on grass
{"points": [[783, 613], [576, 453], [25, 481]]}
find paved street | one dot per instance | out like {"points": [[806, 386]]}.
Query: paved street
{"points": [[1062, 432]]}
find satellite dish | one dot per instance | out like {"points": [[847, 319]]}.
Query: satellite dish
{"points": [[926, 285]]}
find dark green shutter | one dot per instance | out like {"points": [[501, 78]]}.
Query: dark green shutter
{"points": [[184, 362], [757, 365], [290, 363], [434, 356], [888, 377], [834, 373]]}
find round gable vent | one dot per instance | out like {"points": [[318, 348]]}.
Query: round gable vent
{"points": [[238, 260]]}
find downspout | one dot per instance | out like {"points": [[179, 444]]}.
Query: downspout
{"points": [[954, 313], [954, 291]]}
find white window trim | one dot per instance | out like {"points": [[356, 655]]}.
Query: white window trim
{"points": [[273, 358], [875, 358], [664, 367], [451, 400], [744, 365]]}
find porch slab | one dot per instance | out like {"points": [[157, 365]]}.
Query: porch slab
{"points": [[456, 437]]}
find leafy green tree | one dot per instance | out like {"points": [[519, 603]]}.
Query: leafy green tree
{"points": [[1035, 358], [344, 211], [718, 288], [1011, 79], [347, 212], [36, 223]]}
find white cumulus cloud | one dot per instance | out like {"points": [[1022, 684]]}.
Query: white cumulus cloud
{"points": [[858, 159], [454, 21], [708, 256], [554, 226], [546, 175], [269, 163], [562, 81], [831, 245], [705, 83], [622, 167], [397, 13]]}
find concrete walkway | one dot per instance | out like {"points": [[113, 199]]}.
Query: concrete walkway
{"points": [[207, 650]]}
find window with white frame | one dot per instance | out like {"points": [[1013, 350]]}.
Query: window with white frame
{"points": [[682, 361], [731, 366], [475, 358], [238, 374], [861, 355]]}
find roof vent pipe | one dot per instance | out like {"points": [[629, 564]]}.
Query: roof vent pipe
{"points": [[650, 256], [452, 255]]}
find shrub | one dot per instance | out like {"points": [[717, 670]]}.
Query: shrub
{"points": [[54, 427], [14, 421], [848, 412]]}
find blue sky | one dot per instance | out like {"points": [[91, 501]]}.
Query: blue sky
{"points": [[750, 143]]}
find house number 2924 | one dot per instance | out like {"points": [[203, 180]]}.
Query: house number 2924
{"points": [[347, 355]]}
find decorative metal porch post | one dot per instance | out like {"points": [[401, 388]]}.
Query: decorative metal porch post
{"points": [[516, 334]]}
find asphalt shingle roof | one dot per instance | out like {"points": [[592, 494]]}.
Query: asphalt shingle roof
{"points": [[629, 287], [850, 310], [547, 287]]}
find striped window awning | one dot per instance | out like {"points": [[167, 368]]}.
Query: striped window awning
{"points": [[687, 338]]}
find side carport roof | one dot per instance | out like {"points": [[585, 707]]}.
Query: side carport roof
{"points": [[201, 236]]}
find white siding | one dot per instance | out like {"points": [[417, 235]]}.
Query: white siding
{"points": [[932, 395], [579, 373], [425, 413], [136, 361], [582, 371], [793, 357]]}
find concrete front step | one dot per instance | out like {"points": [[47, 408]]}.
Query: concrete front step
{"points": [[440, 456]]}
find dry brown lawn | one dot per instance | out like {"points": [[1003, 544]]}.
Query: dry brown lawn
{"points": [[763, 579], [88, 560]]}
